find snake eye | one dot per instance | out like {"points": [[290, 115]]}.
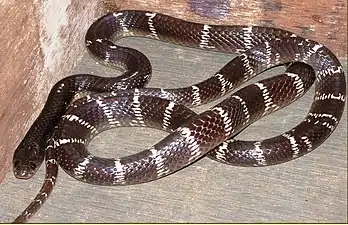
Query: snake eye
{"points": [[15, 163]]}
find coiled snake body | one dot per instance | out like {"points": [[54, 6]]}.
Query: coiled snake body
{"points": [[61, 135]]}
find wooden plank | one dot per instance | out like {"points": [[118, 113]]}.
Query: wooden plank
{"points": [[36, 51]]}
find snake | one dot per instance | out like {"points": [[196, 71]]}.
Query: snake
{"points": [[61, 133]]}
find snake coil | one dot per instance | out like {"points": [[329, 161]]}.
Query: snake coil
{"points": [[61, 134]]}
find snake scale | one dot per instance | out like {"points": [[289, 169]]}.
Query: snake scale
{"points": [[62, 131]]}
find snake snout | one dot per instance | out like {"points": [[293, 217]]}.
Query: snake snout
{"points": [[24, 170]]}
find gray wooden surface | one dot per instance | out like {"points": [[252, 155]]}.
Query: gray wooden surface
{"points": [[312, 188]]}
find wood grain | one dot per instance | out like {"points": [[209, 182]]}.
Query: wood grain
{"points": [[41, 43]]}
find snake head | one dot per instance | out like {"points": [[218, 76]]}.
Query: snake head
{"points": [[25, 161]]}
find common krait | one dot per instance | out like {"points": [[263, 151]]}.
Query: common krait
{"points": [[194, 136]]}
